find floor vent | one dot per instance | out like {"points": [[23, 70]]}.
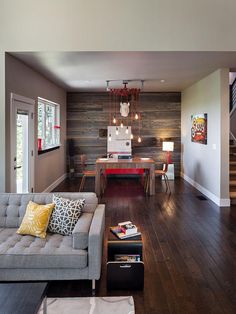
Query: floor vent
{"points": [[201, 198]]}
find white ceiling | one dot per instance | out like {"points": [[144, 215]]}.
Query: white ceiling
{"points": [[88, 71]]}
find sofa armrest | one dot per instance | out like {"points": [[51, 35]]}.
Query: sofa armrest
{"points": [[80, 233], [95, 242]]}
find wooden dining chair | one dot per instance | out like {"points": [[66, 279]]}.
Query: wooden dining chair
{"points": [[90, 174], [85, 173], [160, 173]]}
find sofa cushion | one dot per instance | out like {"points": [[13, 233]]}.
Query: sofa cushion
{"points": [[65, 215], [81, 231], [55, 251], [36, 219]]}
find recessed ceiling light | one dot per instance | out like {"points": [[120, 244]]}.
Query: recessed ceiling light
{"points": [[162, 81]]}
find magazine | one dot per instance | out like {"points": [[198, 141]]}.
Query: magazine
{"points": [[127, 258]]}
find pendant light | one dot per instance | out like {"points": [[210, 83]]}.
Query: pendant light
{"points": [[124, 108]]}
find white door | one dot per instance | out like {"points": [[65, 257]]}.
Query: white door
{"points": [[22, 144]]}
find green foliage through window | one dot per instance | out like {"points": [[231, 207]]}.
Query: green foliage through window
{"points": [[48, 124]]}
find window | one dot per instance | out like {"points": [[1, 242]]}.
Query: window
{"points": [[48, 124]]}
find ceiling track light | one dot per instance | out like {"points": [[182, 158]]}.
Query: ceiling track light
{"points": [[125, 82], [142, 84], [108, 88]]}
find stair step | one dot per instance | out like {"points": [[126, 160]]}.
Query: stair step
{"points": [[232, 172], [232, 162], [232, 188], [232, 194]]}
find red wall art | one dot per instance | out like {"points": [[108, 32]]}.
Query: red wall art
{"points": [[199, 128]]}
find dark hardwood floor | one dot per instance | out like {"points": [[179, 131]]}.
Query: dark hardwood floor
{"points": [[189, 248]]}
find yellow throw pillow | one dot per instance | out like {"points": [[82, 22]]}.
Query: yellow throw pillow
{"points": [[36, 219]]}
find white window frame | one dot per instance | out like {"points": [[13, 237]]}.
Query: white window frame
{"points": [[57, 121]]}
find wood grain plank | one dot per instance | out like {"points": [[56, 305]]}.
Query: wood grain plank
{"points": [[89, 113]]}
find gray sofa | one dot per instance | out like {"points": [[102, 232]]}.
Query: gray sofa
{"points": [[58, 257]]}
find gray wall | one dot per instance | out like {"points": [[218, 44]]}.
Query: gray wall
{"points": [[2, 122], [207, 166], [88, 117], [22, 80]]}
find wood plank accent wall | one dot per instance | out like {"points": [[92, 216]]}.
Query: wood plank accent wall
{"points": [[88, 117]]}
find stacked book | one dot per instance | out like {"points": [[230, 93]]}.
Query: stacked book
{"points": [[125, 230]]}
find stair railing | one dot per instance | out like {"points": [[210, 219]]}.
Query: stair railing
{"points": [[233, 111]]}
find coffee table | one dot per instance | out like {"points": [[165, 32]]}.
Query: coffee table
{"points": [[22, 298]]}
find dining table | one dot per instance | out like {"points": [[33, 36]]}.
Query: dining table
{"points": [[102, 164]]}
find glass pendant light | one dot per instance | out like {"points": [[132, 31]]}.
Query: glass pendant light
{"points": [[122, 125], [114, 119], [139, 139], [109, 138], [131, 136], [136, 116], [117, 131], [127, 130]]}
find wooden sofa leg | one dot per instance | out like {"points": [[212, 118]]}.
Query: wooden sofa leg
{"points": [[93, 286]]}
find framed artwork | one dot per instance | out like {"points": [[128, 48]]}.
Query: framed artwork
{"points": [[199, 128]]}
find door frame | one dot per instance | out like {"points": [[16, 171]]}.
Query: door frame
{"points": [[13, 105]]}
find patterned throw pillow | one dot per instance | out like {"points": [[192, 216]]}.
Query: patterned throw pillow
{"points": [[36, 219], [65, 215]]}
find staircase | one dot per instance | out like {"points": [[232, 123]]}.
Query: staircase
{"points": [[232, 160], [232, 172]]}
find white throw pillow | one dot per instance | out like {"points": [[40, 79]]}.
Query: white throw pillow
{"points": [[65, 215]]}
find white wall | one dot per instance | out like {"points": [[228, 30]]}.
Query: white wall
{"points": [[207, 166], [111, 25], [163, 25], [24, 81]]}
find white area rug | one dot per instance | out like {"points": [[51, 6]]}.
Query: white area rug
{"points": [[91, 305]]}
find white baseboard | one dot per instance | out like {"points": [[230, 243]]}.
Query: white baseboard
{"points": [[55, 183], [222, 202]]}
